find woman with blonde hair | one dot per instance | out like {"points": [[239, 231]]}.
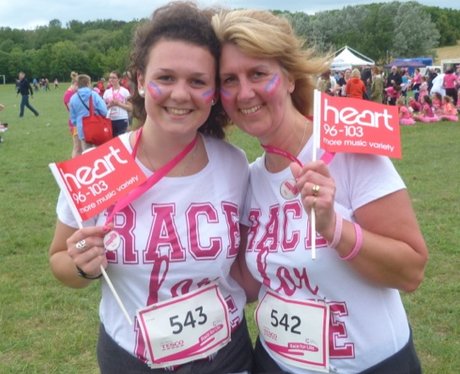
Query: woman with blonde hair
{"points": [[76, 144], [342, 311], [355, 87]]}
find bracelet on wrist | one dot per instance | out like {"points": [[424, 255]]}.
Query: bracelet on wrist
{"points": [[358, 243], [337, 231], [82, 274]]}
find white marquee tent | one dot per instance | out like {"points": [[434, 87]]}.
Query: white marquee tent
{"points": [[346, 58]]}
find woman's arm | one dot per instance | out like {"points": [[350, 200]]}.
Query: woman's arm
{"points": [[240, 271], [393, 252]]}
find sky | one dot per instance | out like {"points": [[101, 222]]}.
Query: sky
{"points": [[28, 14]]}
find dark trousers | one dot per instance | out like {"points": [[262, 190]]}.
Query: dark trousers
{"points": [[235, 357], [452, 92], [119, 127], [25, 103], [403, 362]]}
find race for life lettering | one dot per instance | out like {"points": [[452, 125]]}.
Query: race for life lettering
{"points": [[338, 330], [270, 237], [163, 234], [87, 175], [230, 212], [124, 223], [164, 237], [277, 234], [206, 214], [291, 211]]}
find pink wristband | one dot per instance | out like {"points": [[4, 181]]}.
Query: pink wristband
{"points": [[358, 243], [337, 231]]}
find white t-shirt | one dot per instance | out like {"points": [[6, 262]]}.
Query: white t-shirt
{"points": [[438, 82], [122, 95], [368, 323], [179, 235]]}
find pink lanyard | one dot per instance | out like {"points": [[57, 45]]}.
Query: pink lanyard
{"points": [[326, 157], [152, 180], [281, 152]]}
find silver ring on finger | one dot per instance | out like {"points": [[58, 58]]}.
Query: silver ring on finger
{"points": [[81, 245]]}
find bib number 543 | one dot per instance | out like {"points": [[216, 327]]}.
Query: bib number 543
{"points": [[191, 319]]}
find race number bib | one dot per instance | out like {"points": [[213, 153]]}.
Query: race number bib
{"points": [[186, 328], [295, 331]]}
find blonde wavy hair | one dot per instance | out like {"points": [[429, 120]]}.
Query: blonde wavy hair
{"points": [[261, 34]]}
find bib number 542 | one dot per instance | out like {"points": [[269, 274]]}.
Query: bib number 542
{"points": [[285, 321]]}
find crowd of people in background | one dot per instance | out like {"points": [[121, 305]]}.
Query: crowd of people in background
{"points": [[430, 97], [111, 100]]}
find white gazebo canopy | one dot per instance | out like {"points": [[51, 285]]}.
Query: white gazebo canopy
{"points": [[346, 57]]}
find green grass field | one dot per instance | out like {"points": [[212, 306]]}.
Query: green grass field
{"points": [[48, 328]]}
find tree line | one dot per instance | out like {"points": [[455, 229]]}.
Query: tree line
{"points": [[381, 31]]}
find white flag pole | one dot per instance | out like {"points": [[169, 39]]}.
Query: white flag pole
{"points": [[78, 219], [110, 284], [112, 288], [115, 294], [316, 138]]}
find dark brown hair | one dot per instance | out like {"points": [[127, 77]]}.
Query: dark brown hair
{"points": [[177, 21]]}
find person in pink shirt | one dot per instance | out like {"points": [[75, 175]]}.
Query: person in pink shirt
{"points": [[423, 90], [416, 82], [436, 99], [449, 111], [405, 115], [414, 105], [450, 84], [427, 115], [393, 93]]}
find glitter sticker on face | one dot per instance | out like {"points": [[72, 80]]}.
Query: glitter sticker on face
{"points": [[154, 90], [225, 95], [273, 84], [208, 96]]}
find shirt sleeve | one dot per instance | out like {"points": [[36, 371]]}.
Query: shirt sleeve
{"points": [[361, 179]]}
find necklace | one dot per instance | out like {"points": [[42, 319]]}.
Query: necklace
{"points": [[303, 138], [185, 166], [288, 188], [189, 161], [285, 154]]}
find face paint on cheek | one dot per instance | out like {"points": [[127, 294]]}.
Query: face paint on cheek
{"points": [[208, 95], [273, 84], [154, 90], [225, 95]]}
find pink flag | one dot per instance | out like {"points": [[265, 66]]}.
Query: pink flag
{"points": [[95, 180], [359, 126]]}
